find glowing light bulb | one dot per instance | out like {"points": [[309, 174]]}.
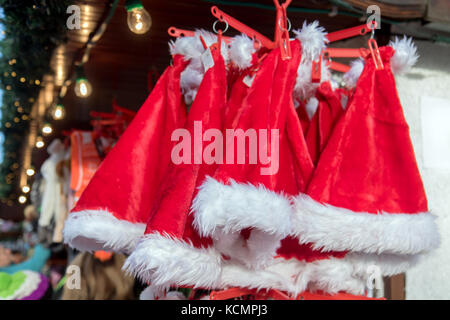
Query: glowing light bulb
{"points": [[58, 112], [138, 19], [39, 143], [47, 129], [22, 199], [83, 88], [25, 189], [30, 172]]}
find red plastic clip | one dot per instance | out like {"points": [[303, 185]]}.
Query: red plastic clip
{"points": [[340, 67], [349, 33], [223, 17], [345, 52], [176, 33], [373, 47], [203, 43], [282, 31], [316, 70]]}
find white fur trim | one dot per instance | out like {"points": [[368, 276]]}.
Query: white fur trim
{"points": [[351, 77], [405, 56], [255, 253], [349, 274], [165, 261], [311, 107], [92, 230], [238, 206], [222, 211], [331, 228], [313, 39], [241, 51]]}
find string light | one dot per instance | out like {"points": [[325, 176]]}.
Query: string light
{"points": [[25, 189], [30, 172], [47, 129], [39, 142], [22, 199], [58, 111], [83, 88], [13, 74], [138, 19]]}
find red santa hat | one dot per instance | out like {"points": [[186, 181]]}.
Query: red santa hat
{"points": [[112, 211], [243, 194], [366, 196], [172, 252], [348, 236]]}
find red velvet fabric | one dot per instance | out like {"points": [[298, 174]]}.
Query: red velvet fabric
{"points": [[170, 215], [303, 116], [322, 123], [129, 178], [266, 106], [369, 164]]}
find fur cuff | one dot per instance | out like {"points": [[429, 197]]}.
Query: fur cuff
{"points": [[331, 228], [238, 206], [93, 230], [165, 261]]}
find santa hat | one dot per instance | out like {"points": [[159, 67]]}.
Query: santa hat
{"points": [[366, 196], [172, 252], [241, 196], [329, 111], [112, 211]]}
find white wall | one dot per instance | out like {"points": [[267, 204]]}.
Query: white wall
{"points": [[430, 279]]}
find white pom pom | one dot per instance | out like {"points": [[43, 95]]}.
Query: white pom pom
{"points": [[311, 107], [192, 48], [241, 50], [405, 56], [313, 39], [189, 47], [351, 77]]}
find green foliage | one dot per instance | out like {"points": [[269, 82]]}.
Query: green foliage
{"points": [[32, 29]]}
